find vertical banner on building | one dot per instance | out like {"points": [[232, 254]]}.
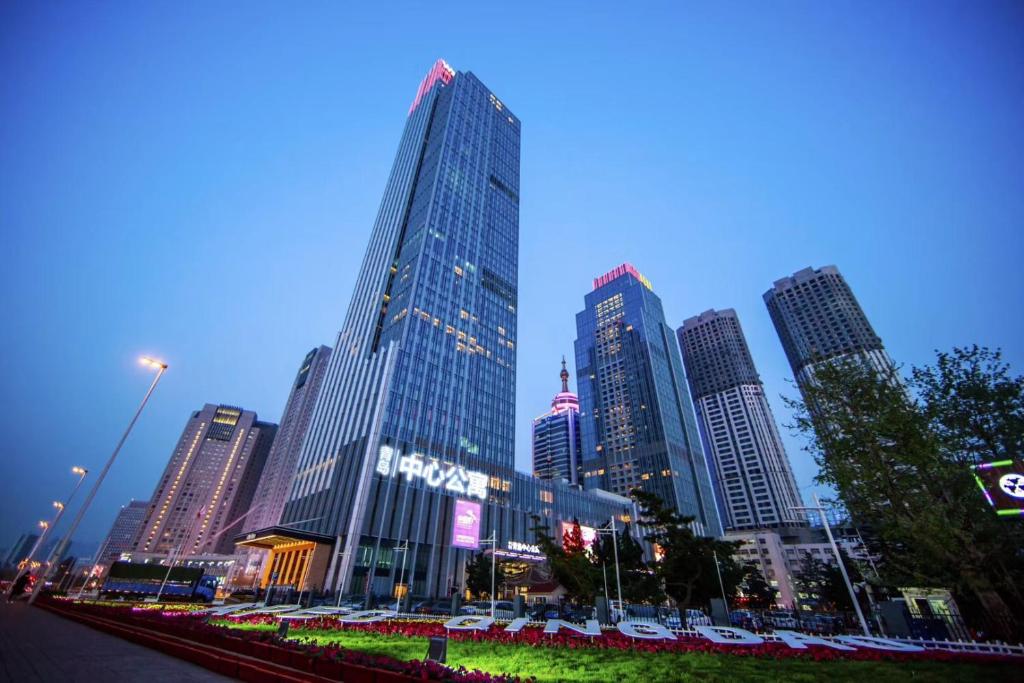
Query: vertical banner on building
{"points": [[466, 525]]}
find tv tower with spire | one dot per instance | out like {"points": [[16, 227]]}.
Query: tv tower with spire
{"points": [[556, 436]]}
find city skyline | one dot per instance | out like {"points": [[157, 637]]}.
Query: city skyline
{"points": [[252, 364]]}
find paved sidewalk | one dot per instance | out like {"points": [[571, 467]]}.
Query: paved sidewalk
{"points": [[36, 645]]}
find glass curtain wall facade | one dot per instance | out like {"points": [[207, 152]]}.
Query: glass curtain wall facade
{"points": [[417, 410], [636, 418], [556, 436]]}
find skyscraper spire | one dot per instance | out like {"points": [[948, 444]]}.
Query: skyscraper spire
{"points": [[565, 377]]}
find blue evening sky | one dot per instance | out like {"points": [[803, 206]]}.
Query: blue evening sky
{"points": [[198, 181]]}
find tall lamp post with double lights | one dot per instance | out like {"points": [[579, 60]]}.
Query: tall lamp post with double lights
{"points": [[839, 559], [619, 611], [49, 526], [26, 564], [152, 363]]}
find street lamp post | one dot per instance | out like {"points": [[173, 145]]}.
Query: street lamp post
{"points": [[721, 584], [26, 564], [160, 368], [404, 549], [493, 542], [839, 560], [49, 526], [615, 550]]}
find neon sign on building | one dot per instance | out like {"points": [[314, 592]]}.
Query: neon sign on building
{"points": [[454, 479], [440, 72], [619, 271], [1002, 483]]}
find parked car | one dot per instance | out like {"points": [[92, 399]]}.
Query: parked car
{"points": [[352, 603], [544, 611], [781, 618], [442, 607], [576, 614], [696, 617], [746, 619], [827, 624], [477, 607]]}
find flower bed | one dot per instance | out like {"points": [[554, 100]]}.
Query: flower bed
{"points": [[533, 636], [330, 661], [388, 651]]}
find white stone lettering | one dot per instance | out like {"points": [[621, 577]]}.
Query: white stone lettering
{"points": [[469, 622], [741, 636], [591, 628], [800, 641], [517, 624], [368, 616], [644, 630]]}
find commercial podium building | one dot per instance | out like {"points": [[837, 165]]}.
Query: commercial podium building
{"points": [[408, 463]]}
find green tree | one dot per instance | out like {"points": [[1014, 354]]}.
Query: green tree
{"points": [[755, 588], [823, 582], [899, 452], [640, 583], [687, 565], [570, 563], [478, 575]]}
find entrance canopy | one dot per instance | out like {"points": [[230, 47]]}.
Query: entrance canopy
{"points": [[297, 558]]}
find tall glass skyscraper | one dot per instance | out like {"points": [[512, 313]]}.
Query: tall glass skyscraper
{"points": [[636, 417], [756, 486], [412, 433], [556, 436], [276, 481]]}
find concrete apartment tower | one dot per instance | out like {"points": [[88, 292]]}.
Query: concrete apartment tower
{"points": [[208, 484], [756, 486], [818, 319]]}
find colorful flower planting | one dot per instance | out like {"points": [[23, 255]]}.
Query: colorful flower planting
{"points": [[328, 647]]}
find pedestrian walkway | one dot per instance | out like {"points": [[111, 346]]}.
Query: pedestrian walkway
{"points": [[36, 645]]}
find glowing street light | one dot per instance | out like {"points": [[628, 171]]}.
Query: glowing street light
{"points": [[160, 367], [47, 526]]}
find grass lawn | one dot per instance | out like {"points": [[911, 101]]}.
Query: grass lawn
{"points": [[552, 664]]}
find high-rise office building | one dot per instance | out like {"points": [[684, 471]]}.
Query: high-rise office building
{"points": [[636, 417], [556, 436], [818, 319], [756, 488], [20, 550], [276, 481], [123, 533], [410, 449], [208, 484]]}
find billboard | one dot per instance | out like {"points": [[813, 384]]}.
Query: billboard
{"points": [[1002, 483], [466, 525], [589, 533]]}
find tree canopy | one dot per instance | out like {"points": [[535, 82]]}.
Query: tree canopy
{"points": [[898, 452]]}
